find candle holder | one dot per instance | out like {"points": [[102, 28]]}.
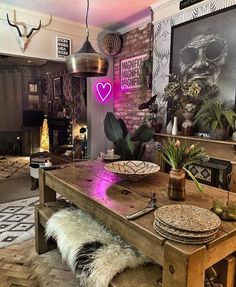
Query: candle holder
{"points": [[225, 210]]}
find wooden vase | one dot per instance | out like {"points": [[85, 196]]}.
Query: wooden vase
{"points": [[176, 185], [187, 125]]}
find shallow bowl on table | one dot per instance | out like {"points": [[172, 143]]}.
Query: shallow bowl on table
{"points": [[133, 170], [109, 158]]}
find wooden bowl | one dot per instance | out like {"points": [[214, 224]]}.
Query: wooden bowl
{"points": [[133, 170]]}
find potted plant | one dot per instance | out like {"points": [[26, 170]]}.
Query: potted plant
{"points": [[129, 147], [179, 157], [153, 119], [218, 117], [181, 95]]}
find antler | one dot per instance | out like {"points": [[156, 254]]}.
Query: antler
{"points": [[13, 25], [33, 29]]}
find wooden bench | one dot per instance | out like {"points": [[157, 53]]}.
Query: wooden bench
{"points": [[149, 275], [144, 276]]}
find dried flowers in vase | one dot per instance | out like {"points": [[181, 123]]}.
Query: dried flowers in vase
{"points": [[179, 93]]}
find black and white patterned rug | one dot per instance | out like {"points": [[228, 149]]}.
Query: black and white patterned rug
{"points": [[17, 221]]}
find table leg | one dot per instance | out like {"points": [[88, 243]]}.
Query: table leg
{"points": [[185, 270], [34, 183], [46, 194]]}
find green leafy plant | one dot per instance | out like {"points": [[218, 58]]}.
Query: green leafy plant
{"points": [[215, 115], [129, 147], [145, 77], [181, 156]]}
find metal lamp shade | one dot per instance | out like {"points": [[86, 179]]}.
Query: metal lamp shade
{"points": [[87, 62]]}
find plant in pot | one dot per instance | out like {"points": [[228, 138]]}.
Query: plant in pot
{"points": [[179, 157], [218, 117], [154, 119], [182, 97], [129, 147]]}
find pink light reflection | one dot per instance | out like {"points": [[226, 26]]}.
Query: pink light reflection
{"points": [[99, 189]]}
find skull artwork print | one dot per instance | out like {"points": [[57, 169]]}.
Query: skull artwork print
{"points": [[204, 50]]}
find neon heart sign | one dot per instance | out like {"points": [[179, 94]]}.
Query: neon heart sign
{"points": [[103, 91]]}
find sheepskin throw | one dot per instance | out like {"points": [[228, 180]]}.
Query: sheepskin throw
{"points": [[93, 253]]}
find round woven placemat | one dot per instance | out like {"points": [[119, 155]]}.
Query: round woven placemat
{"points": [[188, 218], [183, 233], [183, 240]]}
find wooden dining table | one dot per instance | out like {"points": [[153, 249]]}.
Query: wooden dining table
{"points": [[109, 199]]}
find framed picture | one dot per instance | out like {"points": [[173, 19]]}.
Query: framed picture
{"points": [[57, 88], [33, 87], [63, 47], [204, 50], [49, 107], [33, 102]]}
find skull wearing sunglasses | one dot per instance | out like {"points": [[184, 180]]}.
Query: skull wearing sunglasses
{"points": [[202, 59]]}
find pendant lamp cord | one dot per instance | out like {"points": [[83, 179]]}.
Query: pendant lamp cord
{"points": [[87, 20]]}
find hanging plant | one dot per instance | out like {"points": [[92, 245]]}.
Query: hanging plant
{"points": [[145, 78]]}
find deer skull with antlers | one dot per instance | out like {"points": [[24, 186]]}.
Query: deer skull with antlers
{"points": [[24, 38]]}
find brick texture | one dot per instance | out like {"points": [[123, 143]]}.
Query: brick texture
{"points": [[135, 43]]}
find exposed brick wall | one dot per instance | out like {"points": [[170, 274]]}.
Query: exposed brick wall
{"points": [[135, 43]]}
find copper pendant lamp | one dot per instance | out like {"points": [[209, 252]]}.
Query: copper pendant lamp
{"points": [[87, 62]]}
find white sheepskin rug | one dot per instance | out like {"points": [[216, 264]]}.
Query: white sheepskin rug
{"points": [[93, 253]]}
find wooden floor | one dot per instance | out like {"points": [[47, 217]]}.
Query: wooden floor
{"points": [[20, 265]]}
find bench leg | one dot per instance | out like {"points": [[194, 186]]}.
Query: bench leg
{"points": [[41, 244]]}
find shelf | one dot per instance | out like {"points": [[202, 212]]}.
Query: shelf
{"points": [[195, 138]]}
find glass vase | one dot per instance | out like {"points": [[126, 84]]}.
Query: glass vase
{"points": [[176, 186]]}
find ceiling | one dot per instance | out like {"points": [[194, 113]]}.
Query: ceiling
{"points": [[105, 14], [6, 60]]}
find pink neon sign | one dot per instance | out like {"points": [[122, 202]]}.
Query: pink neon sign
{"points": [[103, 91]]}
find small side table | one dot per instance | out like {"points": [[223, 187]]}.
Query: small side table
{"points": [[35, 164]]}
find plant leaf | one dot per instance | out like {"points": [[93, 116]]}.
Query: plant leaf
{"points": [[123, 126], [130, 144], [143, 134], [199, 186], [122, 149], [214, 125], [139, 150], [230, 116], [112, 128]]}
